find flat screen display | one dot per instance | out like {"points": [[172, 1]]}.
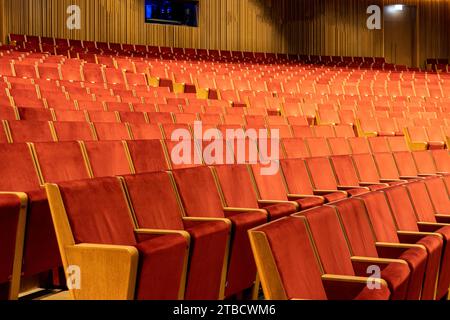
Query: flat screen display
{"points": [[175, 12]]}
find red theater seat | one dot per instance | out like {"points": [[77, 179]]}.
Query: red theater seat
{"points": [[111, 131], [147, 156], [73, 131], [293, 270], [336, 257], [106, 158], [241, 269], [152, 264], [30, 131], [155, 207]]}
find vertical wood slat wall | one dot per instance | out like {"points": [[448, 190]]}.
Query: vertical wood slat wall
{"points": [[328, 27]]}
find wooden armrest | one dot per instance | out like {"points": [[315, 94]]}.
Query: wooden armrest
{"points": [[266, 203], [157, 232], [364, 184], [431, 226], [339, 287], [413, 237], [392, 180], [107, 272], [443, 218], [325, 192], [199, 219], [292, 197], [410, 178], [244, 210], [377, 260], [352, 187]]}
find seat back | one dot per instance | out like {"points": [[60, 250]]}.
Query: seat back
{"points": [[73, 131], [30, 131], [439, 195], [269, 187], [286, 261], [402, 208], [345, 170], [321, 173], [147, 156], [296, 176], [106, 158]]}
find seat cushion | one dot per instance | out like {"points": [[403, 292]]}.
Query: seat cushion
{"points": [[279, 210], [380, 294], [397, 277], [241, 265], [444, 277], [416, 259], [207, 253], [161, 265], [434, 246], [436, 145]]}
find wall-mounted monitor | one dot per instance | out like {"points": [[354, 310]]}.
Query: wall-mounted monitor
{"points": [[174, 12]]}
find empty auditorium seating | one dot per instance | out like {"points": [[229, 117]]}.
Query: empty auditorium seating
{"points": [[293, 271], [149, 265]]}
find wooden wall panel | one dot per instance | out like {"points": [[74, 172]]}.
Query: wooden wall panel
{"points": [[330, 27]]}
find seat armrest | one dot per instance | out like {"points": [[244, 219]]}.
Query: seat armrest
{"points": [[443, 218], [366, 184], [161, 232], [431, 226], [230, 211], [392, 180], [108, 271], [338, 287], [361, 264], [344, 188], [395, 250], [267, 203], [293, 197], [413, 237], [325, 192]]}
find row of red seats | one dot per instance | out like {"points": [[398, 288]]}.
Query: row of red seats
{"points": [[64, 161]]}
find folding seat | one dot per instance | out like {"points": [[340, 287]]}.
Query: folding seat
{"points": [[294, 271], [387, 168], [135, 79], [118, 106], [347, 175], [33, 114], [59, 101], [325, 131], [436, 138], [378, 144], [274, 198], [61, 161], [147, 156], [93, 73], [144, 131], [439, 197], [183, 154], [418, 140], [283, 131], [302, 131], [40, 249], [318, 147], [417, 218], [200, 285], [90, 105], [29, 131], [106, 61], [297, 120], [258, 112], [324, 179], [344, 131], [339, 146], [101, 116], [160, 117], [49, 72], [168, 108], [338, 255], [154, 267], [442, 161], [132, 117], [21, 99], [25, 70], [8, 113], [371, 212], [359, 145], [111, 131], [168, 129], [13, 207], [73, 131], [327, 117], [397, 144], [210, 119], [241, 268], [367, 127], [295, 148], [424, 163], [106, 158], [388, 127], [185, 118], [385, 230]]}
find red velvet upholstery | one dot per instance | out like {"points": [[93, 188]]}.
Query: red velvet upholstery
{"points": [[406, 220], [295, 148], [102, 116], [424, 162], [405, 164], [9, 216], [19, 175], [386, 166], [442, 160], [339, 146], [318, 147], [335, 255], [61, 161], [241, 269], [379, 145], [107, 221], [145, 131], [33, 114], [155, 206], [147, 155], [361, 239], [397, 144], [184, 160], [438, 195], [107, 158], [367, 170], [30, 131], [111, 131], [73, 131], [421, 201], [359, 145]]}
